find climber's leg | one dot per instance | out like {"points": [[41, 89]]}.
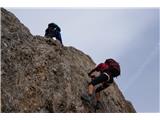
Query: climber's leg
{"points": [[100, 79], [90, 89], [98, 96], [99, 89], [103, 86], [92, 84]]}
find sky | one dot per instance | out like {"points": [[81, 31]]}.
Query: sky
{"points": [[130, 36]]}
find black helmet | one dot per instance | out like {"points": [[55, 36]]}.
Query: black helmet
{"points": [[52, 25]]}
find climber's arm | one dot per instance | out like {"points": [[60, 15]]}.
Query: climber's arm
{"points": [[97, 68]]}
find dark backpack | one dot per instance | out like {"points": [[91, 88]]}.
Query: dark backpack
{"points": [[114, 67]]}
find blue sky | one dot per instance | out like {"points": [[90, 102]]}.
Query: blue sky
{"points": [[131, 36]]}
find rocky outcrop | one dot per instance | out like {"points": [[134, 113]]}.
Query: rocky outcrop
{"points": [[39, 75]]}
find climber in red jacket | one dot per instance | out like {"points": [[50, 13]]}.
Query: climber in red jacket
{"points": [[108, 70]]}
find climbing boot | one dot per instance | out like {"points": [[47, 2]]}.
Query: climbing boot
{"points": [[98, 105], [87, 98]]}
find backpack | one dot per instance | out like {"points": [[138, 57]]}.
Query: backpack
{"points": [[101, 67], [114, 67]]}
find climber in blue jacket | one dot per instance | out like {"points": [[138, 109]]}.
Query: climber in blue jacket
{"points": [[53, 30]]}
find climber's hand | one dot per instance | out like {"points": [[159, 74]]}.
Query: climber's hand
{"points": [[92, 77]]}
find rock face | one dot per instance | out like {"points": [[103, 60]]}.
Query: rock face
{"points": [[39, 75]]}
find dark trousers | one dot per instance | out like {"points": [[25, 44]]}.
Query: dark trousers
{"points": [[104, 80], [58, 37], [55, 34]]}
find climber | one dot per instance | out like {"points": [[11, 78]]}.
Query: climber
{"points": [[107, 71], [53, 30]]}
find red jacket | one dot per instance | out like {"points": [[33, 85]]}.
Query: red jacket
{"points": [[100, 67]]}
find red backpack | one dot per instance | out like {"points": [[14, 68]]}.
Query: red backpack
{"points": [[101, 67], [114, 67]]}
